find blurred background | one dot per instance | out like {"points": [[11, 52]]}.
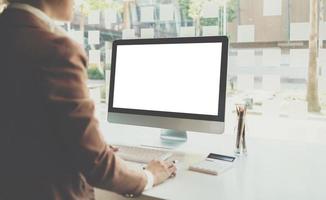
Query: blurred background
{"points": [[277, 55]]}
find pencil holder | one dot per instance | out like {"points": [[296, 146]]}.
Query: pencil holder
{"points": [[240, 129]]}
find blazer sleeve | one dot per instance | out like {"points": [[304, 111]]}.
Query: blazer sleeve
{"points": [[72, 117]]}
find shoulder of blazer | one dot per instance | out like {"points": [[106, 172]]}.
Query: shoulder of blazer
{"points": [[21, 18], [67, 48], [47, 44]]}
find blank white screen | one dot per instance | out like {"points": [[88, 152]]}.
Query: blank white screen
{"points": [[182, 78]]}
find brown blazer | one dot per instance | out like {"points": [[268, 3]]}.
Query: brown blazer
{"points": [[50, 144]]}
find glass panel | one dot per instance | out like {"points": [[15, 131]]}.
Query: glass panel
{"points": [[269, 68], [268, 58]]}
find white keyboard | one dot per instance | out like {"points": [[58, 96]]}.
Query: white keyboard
{"points": [[141, 154]]}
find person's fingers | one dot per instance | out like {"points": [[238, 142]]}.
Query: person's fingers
{"points": [[164, 164], [171, 164], [172, 170]]}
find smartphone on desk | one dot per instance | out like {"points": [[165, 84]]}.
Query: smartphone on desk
{"points": [[213, 164]]}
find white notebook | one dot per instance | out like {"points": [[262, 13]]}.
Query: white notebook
{"points": [[214, 164]]}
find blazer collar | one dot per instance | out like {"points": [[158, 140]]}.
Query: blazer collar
{"points": [[34, 17], [34, 11]]}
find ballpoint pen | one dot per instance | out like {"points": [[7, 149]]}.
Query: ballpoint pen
{"points": [[244, 145]]}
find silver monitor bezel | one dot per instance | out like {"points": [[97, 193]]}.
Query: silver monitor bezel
{"points": [[172, 120]]}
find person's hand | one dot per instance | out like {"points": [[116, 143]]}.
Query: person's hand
{"points": [[161, 170]]}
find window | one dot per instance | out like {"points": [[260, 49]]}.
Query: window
{"points": [[268, 58], [269, 68]]}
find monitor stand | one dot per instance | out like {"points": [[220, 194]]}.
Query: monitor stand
{"points": [[173, 138]]}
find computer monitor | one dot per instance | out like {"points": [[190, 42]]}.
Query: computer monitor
{"points": [[177, 84]]}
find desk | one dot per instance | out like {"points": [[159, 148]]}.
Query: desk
{"points": [[272, 170]]}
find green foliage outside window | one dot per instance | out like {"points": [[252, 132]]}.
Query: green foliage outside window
{"points": [[95, 74], [209, 21]]}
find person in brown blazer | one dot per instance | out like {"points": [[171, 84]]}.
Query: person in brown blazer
{"points": [[50, 143]]}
